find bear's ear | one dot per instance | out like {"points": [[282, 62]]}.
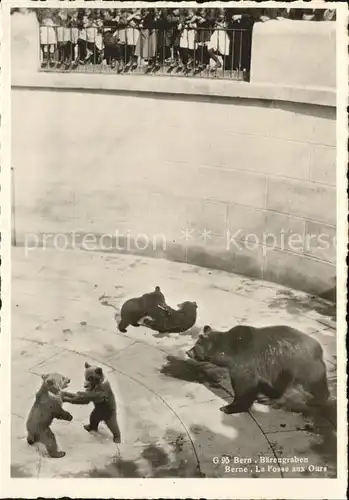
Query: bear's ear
{"points": [[99, 371], [207, 329], [44, 376], [87, 365], [201, 336], [157, 289]]}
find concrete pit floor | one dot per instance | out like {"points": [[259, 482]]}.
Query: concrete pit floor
{"points": [[64, 309]]}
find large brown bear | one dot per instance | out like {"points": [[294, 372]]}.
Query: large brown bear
{"points": [[265, 361], [99, 392], [168, 320], [133, 310], [47, 406]]}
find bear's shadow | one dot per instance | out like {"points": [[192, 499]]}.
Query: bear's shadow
{"points": [[193, 332], [215, 379]]}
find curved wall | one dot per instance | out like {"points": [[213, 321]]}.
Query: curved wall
{"points": [[240, 172]]}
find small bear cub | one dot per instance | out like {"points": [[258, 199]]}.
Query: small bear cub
{"points": [[48, 406], [168, 320], [133, 310], [99, 392]]}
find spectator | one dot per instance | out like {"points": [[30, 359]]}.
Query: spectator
{"points": [[187, 29], [205, 21], [48, 38], [218, 46], [176, 38], [112, 52], [240, 27], [168, 37], [146, 47], [132, 35]]}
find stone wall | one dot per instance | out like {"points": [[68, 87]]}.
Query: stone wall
{"points": [[157, 164]]}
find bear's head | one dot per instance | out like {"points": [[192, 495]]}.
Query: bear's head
{"points": [[208, 348], [55, 382], [93, 376], [188, 306], [156, 297]]}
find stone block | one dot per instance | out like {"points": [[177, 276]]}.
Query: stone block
{"points": [[229, 186], [320, 241], [212, 253], [243, 221], [302, 123], [323, 164], [206, 215], [284, 232], [298, 271], [248, 260], [302, 199]]}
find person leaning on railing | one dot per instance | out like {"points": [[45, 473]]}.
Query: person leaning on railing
{"points": [[175, 37], [205, 23], [146, 47], [168, 37], [219, 43], [48, 36], [187, 33]]}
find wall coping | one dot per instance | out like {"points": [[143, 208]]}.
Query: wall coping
{"points": [[186, 86]]}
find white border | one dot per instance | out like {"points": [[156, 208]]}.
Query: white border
{"points": [[174, 488]]}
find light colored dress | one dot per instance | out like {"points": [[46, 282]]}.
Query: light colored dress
{"points": [[74, 34], [132, 35], [63, 34], [219, 41], [94, 36], [48, 32], [187, 39]]}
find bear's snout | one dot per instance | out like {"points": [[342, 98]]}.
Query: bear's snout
{"points": [[190, 353], [65, 382]]}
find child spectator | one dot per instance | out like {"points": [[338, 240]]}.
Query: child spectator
{"points": [[168, 36], [63, 36], [219, 44], [132, 35], [48, 38], [84, 53], [73, 24], [187, 28], [111, 47], [205, 20]]}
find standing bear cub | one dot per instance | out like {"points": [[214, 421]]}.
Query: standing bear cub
{"points": [[133, 310], [48, 406], [99, 392], [266, 360]]}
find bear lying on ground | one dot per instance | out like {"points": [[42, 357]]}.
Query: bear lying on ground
{"points": [[168, 320], [266, 361], [99, 392], [133, 310], [47, 406]]}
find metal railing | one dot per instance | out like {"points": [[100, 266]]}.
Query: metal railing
{"points": [[214, 53]]}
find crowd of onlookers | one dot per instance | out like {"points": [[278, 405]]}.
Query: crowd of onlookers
{"points": [[180, 39]]}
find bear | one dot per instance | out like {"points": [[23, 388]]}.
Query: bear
{"points": [[267, 360], [47, 406], [168, 320], [98, 391], [133, 310]]}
